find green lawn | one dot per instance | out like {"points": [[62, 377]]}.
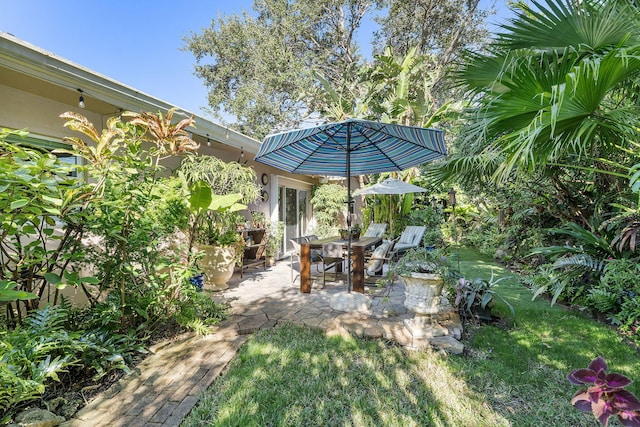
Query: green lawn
{"points": [[511, 376]]}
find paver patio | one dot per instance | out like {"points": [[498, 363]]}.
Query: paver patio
{"points": [[167, 384]]}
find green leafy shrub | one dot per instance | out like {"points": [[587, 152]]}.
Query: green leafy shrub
{"points": [[38, 194], [44, 349], [619, 282], [629, 318], [199, 311], [603, 300], [487, 239], [329, 206]]}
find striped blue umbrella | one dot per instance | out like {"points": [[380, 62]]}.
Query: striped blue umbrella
{"points": [[350, 148]]}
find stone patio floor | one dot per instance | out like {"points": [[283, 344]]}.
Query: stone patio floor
{"points": [[167, 384]]}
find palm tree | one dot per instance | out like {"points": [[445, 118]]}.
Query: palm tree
{"points": [[555, 90]]}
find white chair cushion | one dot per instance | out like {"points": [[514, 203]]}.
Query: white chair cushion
{"points": [[411, 235], [377, 258], [375, 230]]}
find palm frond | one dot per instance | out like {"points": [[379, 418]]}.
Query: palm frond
{"points": [[580, 261], [467, 169], [590, 25], [544, 91]]}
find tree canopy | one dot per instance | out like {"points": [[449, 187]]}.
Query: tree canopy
{"points": [[269, 70]]}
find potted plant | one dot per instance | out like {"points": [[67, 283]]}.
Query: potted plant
{"points": [[259, 219], [212, 233], [475, 298], [218, 227], [356, 230], [275, 234], [424, 272], [344, 233]]}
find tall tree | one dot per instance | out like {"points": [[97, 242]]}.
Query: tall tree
{"points": [[439, 28], [262, 69], [442, 26], [258, 67]]}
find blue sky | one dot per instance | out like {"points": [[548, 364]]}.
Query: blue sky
{"points": [[136, 42]]}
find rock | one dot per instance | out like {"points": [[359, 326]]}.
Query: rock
{"points": [[424, 327], [36, 417], [448, 344], [65, 406], [350, 301]]}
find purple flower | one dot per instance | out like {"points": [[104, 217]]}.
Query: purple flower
{"points": [[461, 285]]}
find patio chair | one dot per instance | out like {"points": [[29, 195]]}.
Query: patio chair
{"points": [[410, 238], [375, 230], [332, 256], [315, 254]]}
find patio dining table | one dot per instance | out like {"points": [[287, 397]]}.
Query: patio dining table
{"points": [[357, 254]]}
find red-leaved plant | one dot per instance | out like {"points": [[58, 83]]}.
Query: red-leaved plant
{"points": [[606, 395]]}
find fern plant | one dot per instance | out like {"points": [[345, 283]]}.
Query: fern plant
{"points": [[603, 300], [43, 349], [577, 266], [32, 355]]}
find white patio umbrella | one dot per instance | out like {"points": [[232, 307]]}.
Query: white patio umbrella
{"points": [[390, 186]]}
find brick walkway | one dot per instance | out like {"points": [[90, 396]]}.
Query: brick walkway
{"points": [[168, 383]]}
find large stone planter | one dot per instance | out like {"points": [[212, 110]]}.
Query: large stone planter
{"points": [[217, 264], [423, 292]]}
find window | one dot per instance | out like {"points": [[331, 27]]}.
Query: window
{"points": [[45, 145]]}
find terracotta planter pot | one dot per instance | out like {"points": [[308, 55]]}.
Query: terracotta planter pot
{"points": [[217, 264], [423, 292]]}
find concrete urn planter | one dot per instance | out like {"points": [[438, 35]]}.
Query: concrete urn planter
{"points": [[423, 292], [217, 264]]}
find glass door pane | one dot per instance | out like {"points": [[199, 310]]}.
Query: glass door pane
{"points": [[293, 213], [290, 213]]}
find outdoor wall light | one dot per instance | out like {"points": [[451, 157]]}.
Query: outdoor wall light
{"points": [[208, 141], [242, 157], [81, 99]]}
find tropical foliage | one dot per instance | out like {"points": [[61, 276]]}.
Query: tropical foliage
{"points": [[330, 210], [110, 236], [549, 143]]}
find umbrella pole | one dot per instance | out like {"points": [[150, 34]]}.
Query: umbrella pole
{"points": [[391, 213], [349, 204]]}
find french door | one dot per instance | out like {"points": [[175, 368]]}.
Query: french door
{"points": [[294, 206]]}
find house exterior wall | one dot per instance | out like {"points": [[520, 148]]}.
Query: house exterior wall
{"points": [[37, 86], [38, 114]]}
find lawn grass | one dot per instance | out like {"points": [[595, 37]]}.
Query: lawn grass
{"points": [[511, 375]]}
